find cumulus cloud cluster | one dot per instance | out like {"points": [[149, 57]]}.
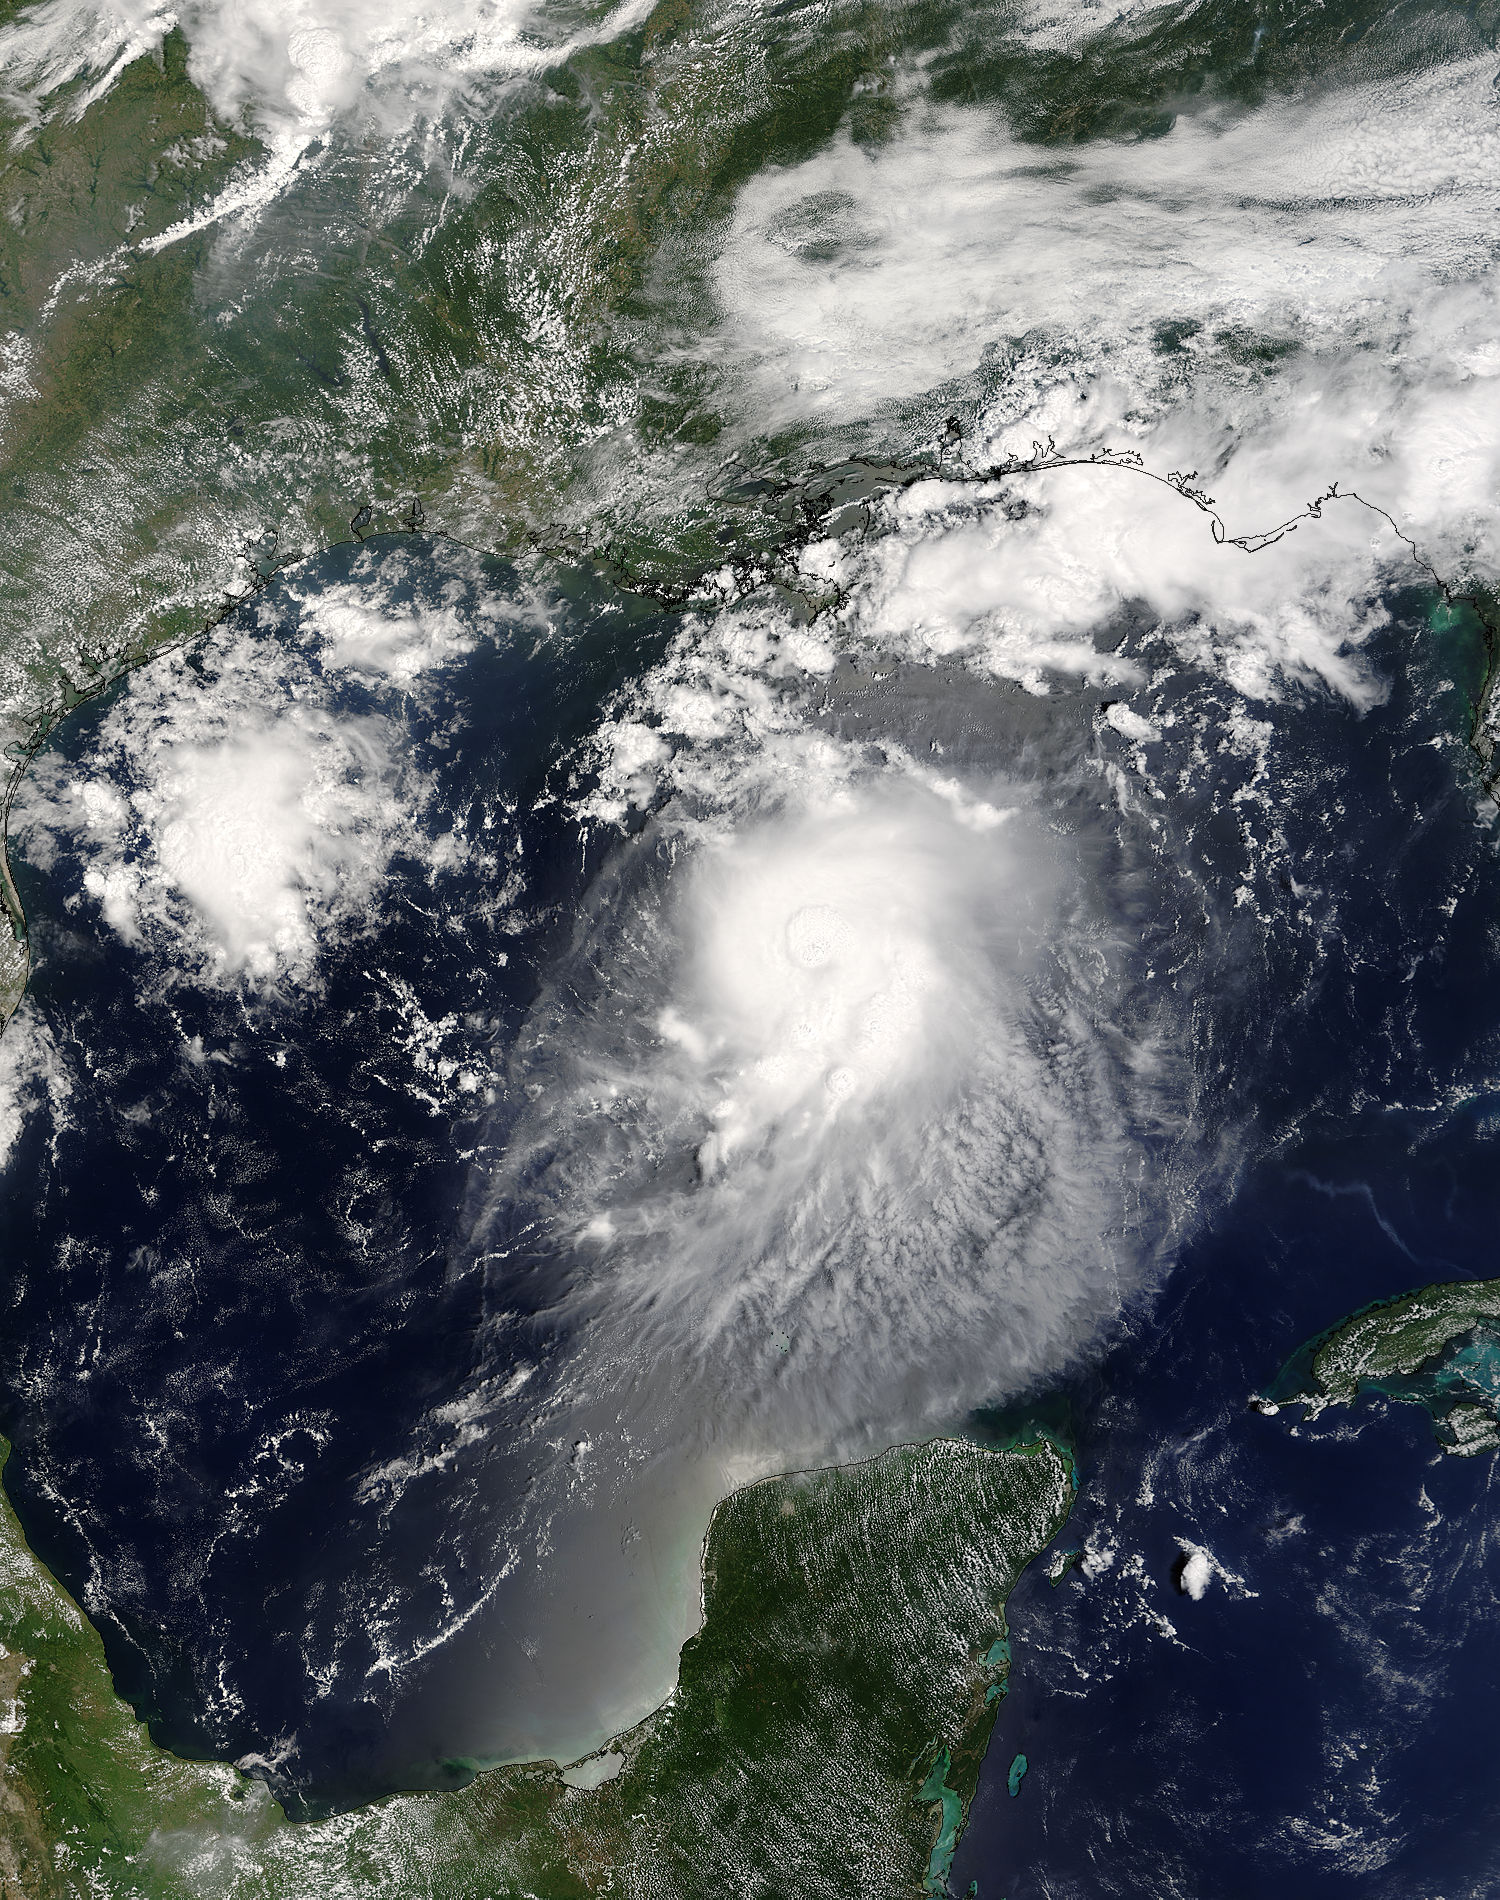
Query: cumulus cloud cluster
{"points": [[289, 70], [862, 273], [1266, 302], [844, 1108], [833, 1097], [1016, 577], [238, 808], [31, 1074], [293, 67]]}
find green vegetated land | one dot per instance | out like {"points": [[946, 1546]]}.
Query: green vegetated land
{"points": [[824, 1739], [507, 317], [510, 315], [1438, 1347]]}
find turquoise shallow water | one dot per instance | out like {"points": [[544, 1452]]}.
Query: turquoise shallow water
{"points": [[275, 1355], [1316, 1719], [1474, 1369], [951, 1813]]}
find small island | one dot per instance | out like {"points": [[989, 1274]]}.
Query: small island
{"points": [[1438, 1347], [824, 1739]]}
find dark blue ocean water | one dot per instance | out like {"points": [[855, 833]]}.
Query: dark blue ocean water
{"points": [[236, 1283], [1329, 1734]]}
